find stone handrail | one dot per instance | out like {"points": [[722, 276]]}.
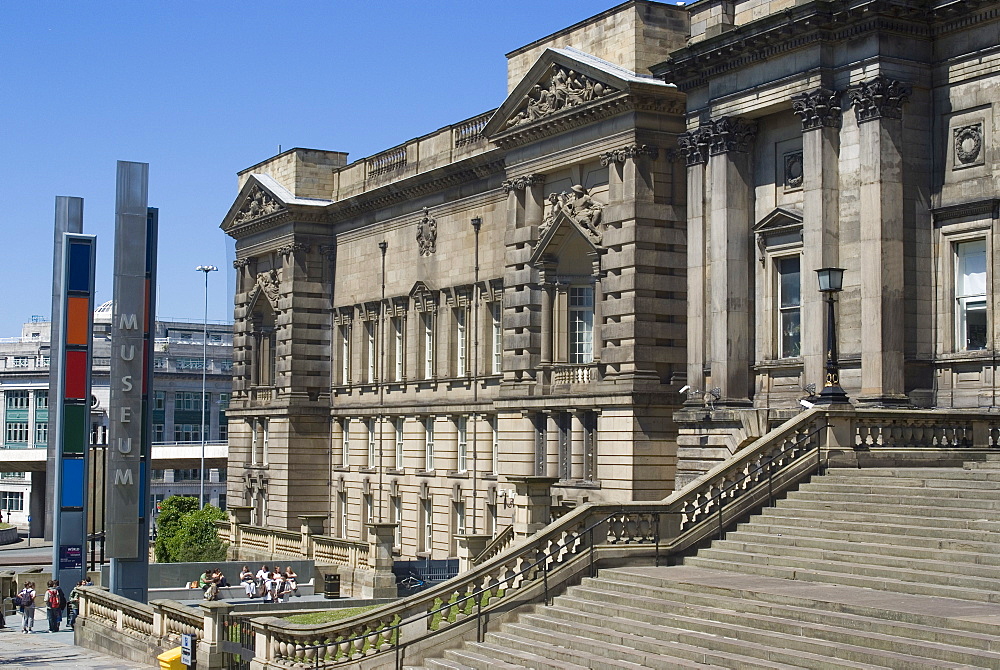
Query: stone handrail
{"points": [[574, 374], [338, 551], [470, 131], [386, 161], [503, 539], [323, 549]]}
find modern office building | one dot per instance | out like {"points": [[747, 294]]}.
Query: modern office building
{"points": [[177, 380]]}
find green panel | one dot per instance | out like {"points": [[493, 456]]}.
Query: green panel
{"points": [[75, 429], [159, 416], [188, 416], [17, 414], [41, 415]]}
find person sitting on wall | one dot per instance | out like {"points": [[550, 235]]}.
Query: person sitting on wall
{"points": [[292, 579], [208, 584], [220, 579], [248, 581]]}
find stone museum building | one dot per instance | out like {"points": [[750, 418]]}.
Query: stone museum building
{"points": [[607, 284]]}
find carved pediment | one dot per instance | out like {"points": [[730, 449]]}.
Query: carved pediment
{"points": [[780, 219], [257, 204], [266, 283], [573, 212], [559, 88]]}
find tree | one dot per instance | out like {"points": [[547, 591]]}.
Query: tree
{"points": [[186, 533]]}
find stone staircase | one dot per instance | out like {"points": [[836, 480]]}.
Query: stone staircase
{"points": [[894, 568]]}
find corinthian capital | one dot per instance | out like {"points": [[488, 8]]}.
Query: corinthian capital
{"points": [[632, 151], [693, 145], [879, 98], [731, 133], [521, 183], [818, 109]]}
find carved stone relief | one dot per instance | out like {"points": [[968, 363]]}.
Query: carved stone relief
{"points": [[565, 88], [427, 234], [579, 207], [632, 151], [258, 204], [521, 183], [693, 145], [818, 109], [269, 283], [879, 98], [968, 145], [793, 170], [730, 133]]}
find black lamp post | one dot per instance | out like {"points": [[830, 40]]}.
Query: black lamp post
{"points": [[831, 280]]}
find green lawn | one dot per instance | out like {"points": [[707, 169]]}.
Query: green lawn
{"points": [[327, 616], [4, 525]]}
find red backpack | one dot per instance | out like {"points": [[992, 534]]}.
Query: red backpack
{"points": [[52, 599]]}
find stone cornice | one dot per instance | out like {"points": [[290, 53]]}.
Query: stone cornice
{"points": [[990, 206], [819, 21]]}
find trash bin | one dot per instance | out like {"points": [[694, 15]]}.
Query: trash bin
{"points": [[331, 586], [171, 660]]}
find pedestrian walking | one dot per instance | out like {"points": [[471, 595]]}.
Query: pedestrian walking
{"points": [[26, 601]]}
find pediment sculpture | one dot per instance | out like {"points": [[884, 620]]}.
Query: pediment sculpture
{"points": [[268, 282], [258, 203], [427, 234], [565, 88], [578, 206]]}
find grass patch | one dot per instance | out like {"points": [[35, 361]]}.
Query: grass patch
{"points": [[4, 525], [327, 616]]}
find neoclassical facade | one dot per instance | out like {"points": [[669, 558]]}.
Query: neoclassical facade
{"points": [[608, 282], [856, 135]]}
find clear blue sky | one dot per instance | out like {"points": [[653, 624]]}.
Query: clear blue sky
{"points": [[202, 89]]}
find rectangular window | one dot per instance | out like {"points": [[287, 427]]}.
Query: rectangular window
{"points": [[342, 514], [970, 295], [17, 432], [223, 431], [789, 307], [429, 444], [397, 348], [253, 441], [396, 517], [399, 443], [345, 355], [41, 433], [370, 350], [41, 399], [427, 514], [12, 501], [17, 399], [158, 475], [461, 364], [159, 398], [265, 424], [12, 475], [157, 432], [581, 324], [368, 513], [225, 364], [159, 363], [497, 366], [372, 462], [495, 445], [190, 363], [22, 361], [223, 400], [427, 320], [346, 450], [463, 444]]}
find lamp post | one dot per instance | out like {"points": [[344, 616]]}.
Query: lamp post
{"points": [[831, 280], [204, 371]]}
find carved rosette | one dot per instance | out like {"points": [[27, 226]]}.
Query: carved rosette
{"points": [[693, 145], [427, 234], [565, 88], [632, 151], [818, 109], [522, 183], [729, 134], [793, 170], [879, 98], [258, 204], [968, 144]]}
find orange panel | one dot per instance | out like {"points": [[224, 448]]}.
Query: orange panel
{"points": [[77, 321]]}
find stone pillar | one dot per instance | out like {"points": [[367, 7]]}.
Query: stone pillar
{"points": [[878, 104], [729, 257], [693, 146], [209, 651], [547, 302], [382, 583], [534, 202], [578, 433], [598, 274], [36, 505], [552, 445], [312, 524], [470, 546], [532, 504], [821, 120]]}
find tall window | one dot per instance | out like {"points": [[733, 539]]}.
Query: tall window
{"points": [[497, 340], [427, 321], [427, 527], [41, 399], [461, 362], [253, 441], [459, 519], [17, 432], [495, 444], [397, 348], [429, 444], [17, 400], [345, 355], [12, 501], [970, 295], [158, 399], [368, 511], [370, 350], [789, 307], [266, 425], [41, 433], [346, 450], [371, 443], [398, 425], [342, 514], [463, 443], [396, 517], [581, 324]]}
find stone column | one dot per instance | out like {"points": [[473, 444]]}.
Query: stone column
{"points": [[578, 433], [312, 524], [598, 274], [532, 504], [470, 546], [209, 649], [552, 445], [545, 271], [878, 104], [730, 303], [821, 120], [693, 145], [534, 201], [36, 505]]}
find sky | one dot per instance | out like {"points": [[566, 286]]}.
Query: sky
{"points": [[203, 89]]}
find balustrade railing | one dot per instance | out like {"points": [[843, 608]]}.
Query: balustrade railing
{"points": [[387, 161], [574, 374], [470, 131], [503, 540]]}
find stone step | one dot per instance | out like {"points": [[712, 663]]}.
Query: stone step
{"points": [[961, 498], [937, 479], [922, 474], [543, 655], [663, 650], [446, 664], [983, 465], [614, 600], [881, 515], [960, 563], [965, 552], [797, 572], [957, 530], [856, 644], [476, 660], [852, 564]]}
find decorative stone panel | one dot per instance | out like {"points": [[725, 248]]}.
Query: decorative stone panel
{"points": [[968, 145]]}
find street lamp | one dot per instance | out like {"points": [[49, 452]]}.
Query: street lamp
{"points": [[831, 280], [204, 371]]}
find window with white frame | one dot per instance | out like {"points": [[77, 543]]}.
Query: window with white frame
{"points": [[427, 525], [371, 444], [789, 307], [22, 361], [12, 501], [253, 441], [970, 295], [159, 400], [345, 355], [398, 429], [158, 432], [495, 444], [370, 352], [429, 444], [398, 352], [41, 399], [581, 324], [342, 514], [346, 445], [41, 432], [265, 424], [461, 361], [368, 511], [427, 322], [187, 432], [17, 399], [463, 443], [396, 517], [497, 339], [459, 517], [17, 432]]}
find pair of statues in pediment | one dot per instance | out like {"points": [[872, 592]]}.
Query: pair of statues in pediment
{"points": [[578, 206], [565, 88]]}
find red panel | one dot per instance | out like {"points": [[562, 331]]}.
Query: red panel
{"points": [[76, 375]]}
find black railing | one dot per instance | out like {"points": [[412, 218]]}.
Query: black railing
{"points": [[237, 642]]}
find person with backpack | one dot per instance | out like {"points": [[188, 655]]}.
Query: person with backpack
{"points": [[55, 601], [74, 604], [26, 601]]}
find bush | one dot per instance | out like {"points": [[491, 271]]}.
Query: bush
{"points": [[185, 533]]}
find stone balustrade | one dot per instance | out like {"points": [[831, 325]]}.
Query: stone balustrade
{"points": [[470, 132], [574, 374], [386, 162]]}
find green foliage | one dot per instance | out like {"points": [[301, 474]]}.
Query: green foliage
{"points": [[186, 533], [328, 615]]}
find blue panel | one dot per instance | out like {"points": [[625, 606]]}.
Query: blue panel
{"points": [[72, 483], [79, 267]]}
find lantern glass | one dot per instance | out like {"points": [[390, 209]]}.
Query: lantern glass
{"points": [[831, 280]]}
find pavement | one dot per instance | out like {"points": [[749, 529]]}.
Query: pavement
{"points": [[42, 649]]}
